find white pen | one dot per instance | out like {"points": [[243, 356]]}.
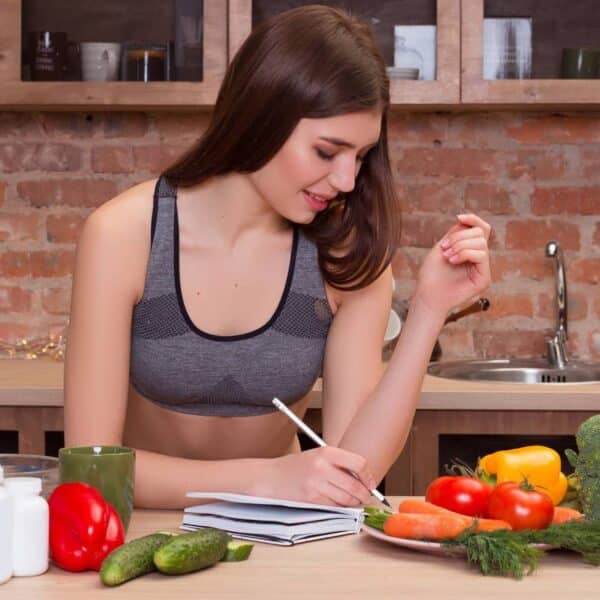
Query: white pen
{"points": [[315, 438]]}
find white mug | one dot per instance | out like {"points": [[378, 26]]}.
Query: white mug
{"points": [[100, 61]]}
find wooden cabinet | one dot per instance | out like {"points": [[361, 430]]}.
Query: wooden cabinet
{"points": [[430, 425], [459, 82], [444, 91], [16, 94], [555, 17]]}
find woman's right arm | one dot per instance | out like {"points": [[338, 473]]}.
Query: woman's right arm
{"points": [[108, 280]]}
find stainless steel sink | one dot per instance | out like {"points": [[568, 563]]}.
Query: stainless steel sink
{"points": [[517, 370]]}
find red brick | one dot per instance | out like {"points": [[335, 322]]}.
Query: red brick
{"points": [[64, 229], [576, 303], [2, 192], [423, 231], [539, 165], [585, 270], [58, 157], [590, 162], [597, 307], [519, 264], [481, 130], [452, 162], [18, 157], [597, 235], [156, 158], [52, 263], [19, 227], [594, 344], [112, 159], [574, 129], [510, 305], [15, 299], [533, 235], [421, 129], [456, 342], [441, 197], [502, 344], [15, 264], [19, 125], [56, 301], [489, 198], [566, 200], [126, 124], [67, 192], [76, 125], [181, 125], [13, 333], [405, 265]]}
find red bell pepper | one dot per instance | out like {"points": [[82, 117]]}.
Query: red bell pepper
{"points": [[84, 528]]}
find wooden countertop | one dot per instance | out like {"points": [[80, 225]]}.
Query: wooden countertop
{"points": [[39, 383], [353, 566]]}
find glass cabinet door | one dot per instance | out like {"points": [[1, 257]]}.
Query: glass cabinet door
{"points": [[525, 52], [419, 40], [112, 54]]}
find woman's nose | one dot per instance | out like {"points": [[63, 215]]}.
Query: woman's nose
{"points": [[343, 176]]}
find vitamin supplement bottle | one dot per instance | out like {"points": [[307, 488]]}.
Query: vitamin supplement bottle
{"points": [[30, 526], [6, 524]]}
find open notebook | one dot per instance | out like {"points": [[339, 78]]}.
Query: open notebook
{"points": [[270, 520]]}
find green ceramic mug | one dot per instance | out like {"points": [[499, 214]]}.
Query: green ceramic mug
{"points": [[110, 469]]}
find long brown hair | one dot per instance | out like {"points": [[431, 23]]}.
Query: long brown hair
{"points": [[309, 62]]}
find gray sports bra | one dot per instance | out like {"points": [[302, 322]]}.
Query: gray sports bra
{"points": [[180, 367]]}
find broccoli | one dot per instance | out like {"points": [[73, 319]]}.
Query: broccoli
{"points": [[587, 466]]}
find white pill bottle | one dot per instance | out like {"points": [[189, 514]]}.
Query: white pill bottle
{"points": [[30, 526], [6, 525]]}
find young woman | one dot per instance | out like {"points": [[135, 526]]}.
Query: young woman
{"points": [[256, 262]]}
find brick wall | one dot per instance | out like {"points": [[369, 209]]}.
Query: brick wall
{"points": [[533, 176]]}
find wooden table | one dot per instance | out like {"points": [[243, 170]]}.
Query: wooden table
{"points": [[354, 566]]}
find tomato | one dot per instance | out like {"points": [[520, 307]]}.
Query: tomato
{"points": [[520, 505], [461, 494]]}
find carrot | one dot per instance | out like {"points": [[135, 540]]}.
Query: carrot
{"points": [[420, 526], [562, 514], [416, 506]]}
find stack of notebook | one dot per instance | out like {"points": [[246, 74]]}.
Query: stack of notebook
{"points": [[270, 520]]}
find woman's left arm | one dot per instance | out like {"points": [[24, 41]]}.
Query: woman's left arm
{"points": [[369, 413]]}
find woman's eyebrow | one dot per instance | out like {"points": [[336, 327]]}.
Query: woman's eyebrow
{"points": [[339, 142]]}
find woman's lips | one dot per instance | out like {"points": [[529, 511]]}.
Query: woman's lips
{"points": [[314, 202]]}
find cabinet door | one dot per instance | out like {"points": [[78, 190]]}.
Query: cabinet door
{"points": [[512, 53], [430, 27], [155, 22]]}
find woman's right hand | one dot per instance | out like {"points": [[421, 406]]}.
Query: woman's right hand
{"points": [[320, 476]]}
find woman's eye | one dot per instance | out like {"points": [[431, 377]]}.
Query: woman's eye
{"points": [[324, 155]]}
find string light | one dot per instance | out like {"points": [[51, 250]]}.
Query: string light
{"points": [[53, 346]]}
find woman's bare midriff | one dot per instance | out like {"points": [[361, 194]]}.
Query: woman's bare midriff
{"points": [[155, 429]]}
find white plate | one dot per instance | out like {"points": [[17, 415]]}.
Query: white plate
{"points": [[429, 547]]}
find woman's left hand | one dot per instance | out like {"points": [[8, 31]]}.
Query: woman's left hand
{"points": [[457, 268]]}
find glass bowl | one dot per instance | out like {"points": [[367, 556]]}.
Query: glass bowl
{"points": [[32, 465]]}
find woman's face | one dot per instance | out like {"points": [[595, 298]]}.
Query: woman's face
{"points": [[321, 158]]}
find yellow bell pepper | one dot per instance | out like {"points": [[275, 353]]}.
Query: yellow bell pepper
{"points": [[539, 465]]}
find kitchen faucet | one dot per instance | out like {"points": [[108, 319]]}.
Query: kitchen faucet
{"points": [[556, 345]]}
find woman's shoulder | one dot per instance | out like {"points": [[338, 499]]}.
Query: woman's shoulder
{"points": [[127, 216], [120, 231]]}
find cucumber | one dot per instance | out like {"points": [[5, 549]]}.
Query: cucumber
{"points": [[132, 559], [191, 551], [237, 551]]}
